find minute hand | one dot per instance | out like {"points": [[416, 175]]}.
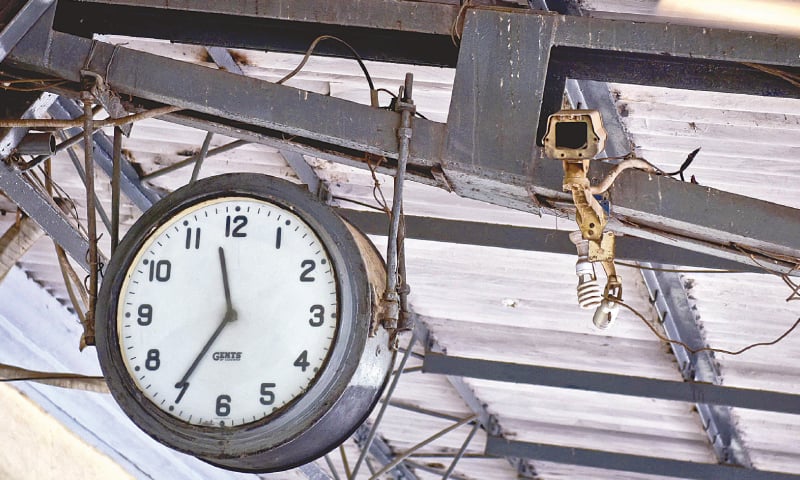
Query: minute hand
{"points": [[230, 315]]}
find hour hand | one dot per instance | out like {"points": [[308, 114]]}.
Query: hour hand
{"points": [[183, 385]]}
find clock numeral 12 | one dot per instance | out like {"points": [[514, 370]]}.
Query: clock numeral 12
{"points": [[234, 226]]}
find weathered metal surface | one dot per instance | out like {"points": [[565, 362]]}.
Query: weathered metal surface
{"points": [[424, 17], [675, 40], [405, 42], [26, 17], [628, 463], [611, 383], [501, 172], [497, 92]]}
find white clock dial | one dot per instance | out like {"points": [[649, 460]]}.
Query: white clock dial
{"points": [[228, 312]]}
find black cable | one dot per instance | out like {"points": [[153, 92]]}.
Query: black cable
{"points": [[684, 165], [311, 50]]}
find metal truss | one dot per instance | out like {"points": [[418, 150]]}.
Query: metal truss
{"points": [[671, 300], [629, 463], [505, 167], [455, 368], [488, 421], [694, 392]]}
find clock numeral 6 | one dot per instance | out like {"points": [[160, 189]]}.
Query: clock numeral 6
{"points": [[309, 266], [238, 222], [223, 405], [302, 361], [160, 270], [267, 396], [145, 314], [319, 316], [153, 361]]}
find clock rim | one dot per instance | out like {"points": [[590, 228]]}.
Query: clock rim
{"points": [[332, 381]]}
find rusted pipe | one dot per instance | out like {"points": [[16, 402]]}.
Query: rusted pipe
{"points": [[37, 144], [91, 217]]}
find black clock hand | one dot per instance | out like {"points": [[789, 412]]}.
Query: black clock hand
{"points": [[230, 315]]}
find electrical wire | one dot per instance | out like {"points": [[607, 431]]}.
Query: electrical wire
{"points": [[358, 202], [10, 84], [789, 77], [685, 164], [703, 349], [376, 184], [311, 50]]}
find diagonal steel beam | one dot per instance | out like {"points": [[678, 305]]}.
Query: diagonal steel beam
{"points": [[141, 196], [487, 420], [33, 201], [671, 300], [25, 18]]}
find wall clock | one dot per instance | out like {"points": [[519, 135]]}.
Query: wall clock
{"points": [[233, 324]]}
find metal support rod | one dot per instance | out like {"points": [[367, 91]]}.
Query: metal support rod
{"points": [[116, 175], [422, 411], [421, 444], [406, 107], [345, 462], [198, 164], [461, 451], [73, 140], [76, 162], [91, 218], [332, 467], [374, 430], [193, 159]]}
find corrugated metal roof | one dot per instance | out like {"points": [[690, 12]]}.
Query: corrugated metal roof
{"points": [[492, 303]]}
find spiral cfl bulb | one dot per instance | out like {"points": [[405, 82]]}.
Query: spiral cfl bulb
{"points": [[590, 294]]}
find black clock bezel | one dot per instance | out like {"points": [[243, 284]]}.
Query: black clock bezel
{"points": [[281, 440]]}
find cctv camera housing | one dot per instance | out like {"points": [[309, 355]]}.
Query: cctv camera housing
{"points": [[574, 135]]}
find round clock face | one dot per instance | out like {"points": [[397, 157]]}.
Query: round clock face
{"points": [[228, 312], [234, 324]]}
